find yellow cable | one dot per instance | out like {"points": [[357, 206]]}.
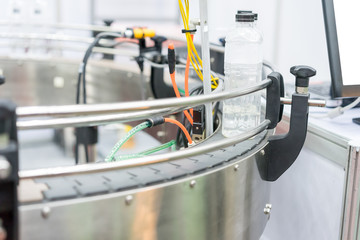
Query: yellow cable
{"points": [[190, 44]]}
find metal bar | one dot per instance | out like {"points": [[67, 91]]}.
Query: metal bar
{"points": [[205, 52], [95, 109], [90, 120], [312, 103], [53, 37], [112, 51], [101, 167], [63, 26]]}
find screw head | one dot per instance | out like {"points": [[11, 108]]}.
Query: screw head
{"points": [[236, 167], [129, 199], [5, 168], [262, 152], [267, 211], [45, 212], [192, 183]]}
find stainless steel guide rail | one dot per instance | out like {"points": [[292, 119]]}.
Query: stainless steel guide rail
{"points": [[100, 167], [83, 27], [96, 109]]}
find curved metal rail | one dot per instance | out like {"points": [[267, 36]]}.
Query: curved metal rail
{"points": [[95, 109], [82, 115], [101, 167], [63, 26], [53, 37]]}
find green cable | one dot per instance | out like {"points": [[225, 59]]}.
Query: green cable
{"points": [[159, 148], [128, 156], [118, 145], [147, 152], [181, 91]]}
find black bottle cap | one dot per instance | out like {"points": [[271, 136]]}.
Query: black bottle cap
{"points": [[242, 16], [248, 11]]}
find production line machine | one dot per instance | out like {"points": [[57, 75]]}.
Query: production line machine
{"points": [[209, 187]]}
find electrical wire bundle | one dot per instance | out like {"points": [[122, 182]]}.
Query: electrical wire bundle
{"points": [[183, 137], [149, 123], [193, 56]]}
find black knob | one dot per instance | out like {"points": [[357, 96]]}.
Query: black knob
{"points": [[2, 79], [302, 74], [108, 22]]}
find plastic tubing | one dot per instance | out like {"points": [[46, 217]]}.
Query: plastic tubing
{"points": [[121, 142], [146, 152], [173, 121], [159, 148]]}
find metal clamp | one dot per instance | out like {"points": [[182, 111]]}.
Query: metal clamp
{"points": [[282, 150], [9, 166]]}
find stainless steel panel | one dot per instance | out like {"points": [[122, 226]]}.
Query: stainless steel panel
{"points": [[351, 220], [31, 82], [226, 203]]}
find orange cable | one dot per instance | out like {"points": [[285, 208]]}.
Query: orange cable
{"points": [[176, 90], [171, 59], [173, 121]]}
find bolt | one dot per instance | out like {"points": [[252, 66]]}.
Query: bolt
{"points": [[45, 212], [5, 168], [236, 167], [192, 183], [267, 211], [262, 152], [129, 199]]}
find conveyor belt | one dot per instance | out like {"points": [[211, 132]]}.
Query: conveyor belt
{"points": [[119, 180]]}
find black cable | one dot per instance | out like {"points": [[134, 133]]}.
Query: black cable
{"points": [[78, 89], [76, 151], [86, 153], [82, 76], [181, 139], [216, 110], [179, 136]]}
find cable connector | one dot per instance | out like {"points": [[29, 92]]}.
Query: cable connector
{"points": [[171, 58], [188, 31], [193, 23], [198, 124], [155, 121], [192, 26]]}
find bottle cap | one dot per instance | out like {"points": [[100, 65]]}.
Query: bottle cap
{"points": [[245, 16]]}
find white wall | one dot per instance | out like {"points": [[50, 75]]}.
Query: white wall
{"points": [[293, 31], [302, 38]]}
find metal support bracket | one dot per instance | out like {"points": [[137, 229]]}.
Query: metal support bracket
{"points": [[9, 167], [282, 150], [273, 106]]}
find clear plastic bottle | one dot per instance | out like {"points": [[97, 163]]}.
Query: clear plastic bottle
{"points": [[243, 67]]}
